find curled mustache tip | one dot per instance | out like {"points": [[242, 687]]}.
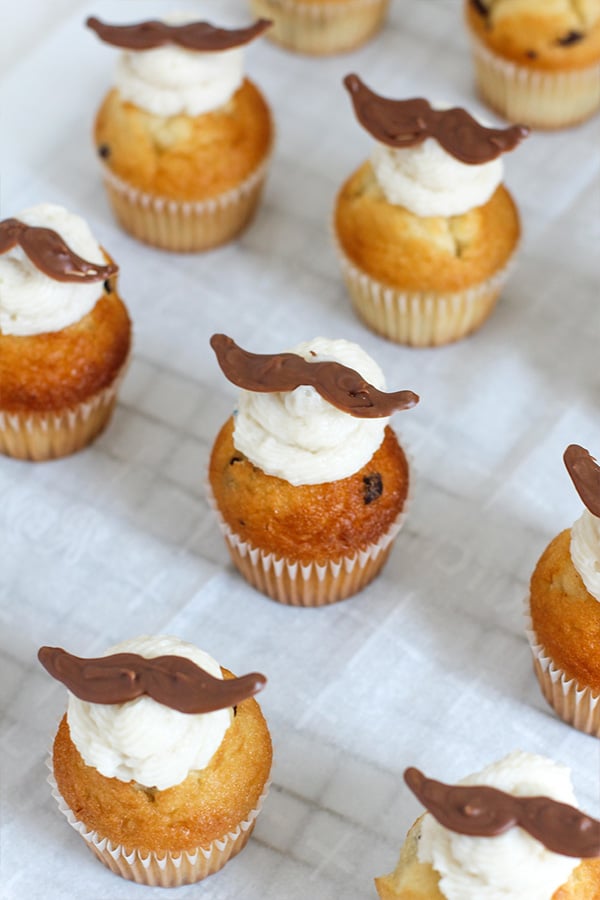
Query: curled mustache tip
{"points": [[337, 384]]}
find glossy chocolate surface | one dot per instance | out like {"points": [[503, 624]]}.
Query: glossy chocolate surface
{"points": [[585, 475], [407, 123], [341, 386], [174, 681], [481, 811], [50, 254], [200, 36]]}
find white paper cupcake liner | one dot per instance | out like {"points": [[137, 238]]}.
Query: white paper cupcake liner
{"points": [[185, 226], [576, 705], [42, 436], [296, 584], [421, 318], [161, 869], [533, 97], [321, 28]]}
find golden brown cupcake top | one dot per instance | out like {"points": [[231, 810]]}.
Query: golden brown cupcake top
{"points": [[539, 34], [195, 812], [416, 253], [309, 522], [565, 616], [54, 370], [185, 157], [64, 332], [149, 714]]}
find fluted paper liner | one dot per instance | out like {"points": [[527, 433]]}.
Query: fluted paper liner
{"points": [[40, 436], [543, 99], [321, 28], [576, 705], [421, 318], [185, 226], [162, 869], [311, 584]]}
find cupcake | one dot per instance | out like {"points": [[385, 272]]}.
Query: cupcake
{"points": [[564, 606], [183, 137], [512, 831], [321, 27], [162, 760], [65, 334], [537, 61], [425, 229], [308, 480]]}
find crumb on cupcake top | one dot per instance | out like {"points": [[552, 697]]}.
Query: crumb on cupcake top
{"points": [[544, 34]]}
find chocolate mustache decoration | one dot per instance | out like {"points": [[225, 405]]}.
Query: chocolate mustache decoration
{"points": [[481, 811], [406, 123], [585, 475], [192, 36], [174, 681], [341, 386], [49, 253]]}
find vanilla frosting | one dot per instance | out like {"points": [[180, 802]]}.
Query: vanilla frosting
{"points": [[142, 740], [585, 551], [171, 81], [299, 436], [429, 181], [513, 865], [32, 302]]}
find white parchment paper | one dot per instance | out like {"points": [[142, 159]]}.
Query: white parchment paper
{"points": [[430, 665]]}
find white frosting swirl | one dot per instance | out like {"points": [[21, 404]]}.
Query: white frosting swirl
{"points": [[512, 866], [302, 438], [142, 740], [172, 81], [585, 551], [32, 302], [428, 181]]}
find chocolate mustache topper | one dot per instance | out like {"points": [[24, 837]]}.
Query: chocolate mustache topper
{"points": [[173, 681], [50, 254], [481, 811], [406, 123], [200, 36], [339, 385], [585, 475]]}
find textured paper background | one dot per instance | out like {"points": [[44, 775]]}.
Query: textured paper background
{"points": [[430, 665]]}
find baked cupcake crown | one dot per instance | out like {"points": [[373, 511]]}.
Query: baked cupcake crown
{"points": [[407, 123], [172, 681], [199, 36], [585, 475], [50, 254], [482, 811], [573, 36], [339, 385]]}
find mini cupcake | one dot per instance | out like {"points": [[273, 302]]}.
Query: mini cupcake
{"points": [[308, 480], [425, 229], [564, 606], [512, 831], [321, 27], [184, 138], [65, 334], [162, 759], [537, 62]]}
